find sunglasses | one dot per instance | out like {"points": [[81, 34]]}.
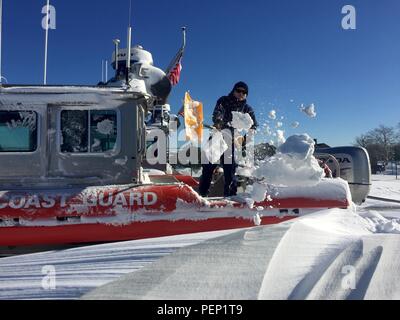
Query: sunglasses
{"points": [[241, 91]]}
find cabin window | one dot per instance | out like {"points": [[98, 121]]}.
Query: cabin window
{"points": [[18, 131], [88, 131]]}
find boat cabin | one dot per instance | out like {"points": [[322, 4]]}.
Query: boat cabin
{"points": [[62, 136]]}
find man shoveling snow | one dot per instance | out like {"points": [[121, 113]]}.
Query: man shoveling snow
{"points": [[226, 117]]}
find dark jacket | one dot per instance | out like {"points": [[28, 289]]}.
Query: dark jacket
{"points": [[223, 111]]}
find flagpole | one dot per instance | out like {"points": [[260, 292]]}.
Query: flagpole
{"points": [[102, 70], [129, 42], [1, 39], [106, 67], [184, 38], [46, 42], [179, 54]]}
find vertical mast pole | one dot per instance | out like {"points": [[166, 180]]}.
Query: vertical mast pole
{"points": [[46, 42]]}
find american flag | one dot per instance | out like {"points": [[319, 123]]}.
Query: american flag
{"points": [[174, 69], [174, 73]]}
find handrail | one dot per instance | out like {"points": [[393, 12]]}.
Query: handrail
{"points": [[325, 157]]}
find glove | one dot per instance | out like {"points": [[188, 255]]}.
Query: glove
{"points": [[239, 141]]}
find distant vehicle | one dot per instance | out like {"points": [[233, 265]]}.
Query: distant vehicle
{"points": [[379, 168]]}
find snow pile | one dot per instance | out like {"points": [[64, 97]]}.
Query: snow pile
{"points": [[244, 171], [257, 191], [215, 147], [379, 224], [241, 121], [309, 111], [293, 165], [302, 146]]}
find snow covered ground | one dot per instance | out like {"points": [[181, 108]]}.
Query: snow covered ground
{"points": [[330, 254], [386, 186], [79, 270]]}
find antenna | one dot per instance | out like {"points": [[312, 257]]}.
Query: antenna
{"points": [[116, 43], [46, 42], [130, 13], [184, 38], [102, 71], [1, 32], [106, 67], [128, 56]]}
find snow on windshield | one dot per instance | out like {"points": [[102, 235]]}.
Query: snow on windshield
{"points": [[105, 127], [26, 119]]}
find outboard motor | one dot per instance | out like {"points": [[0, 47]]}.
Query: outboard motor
{"points": [[354, 167]]}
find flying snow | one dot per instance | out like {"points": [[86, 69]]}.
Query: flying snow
{"points": [[241, 121], [309, 111], [272, 114], [280, 136]]}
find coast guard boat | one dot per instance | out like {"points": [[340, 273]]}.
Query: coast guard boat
{"points": [[73, 167]]}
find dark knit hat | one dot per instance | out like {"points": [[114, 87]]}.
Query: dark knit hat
{"points": [[241, 84]]}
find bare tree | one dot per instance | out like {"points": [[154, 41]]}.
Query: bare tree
{"points": [[382, 144], [398, 133], [396, 152], [386, 137], [363, 141]]}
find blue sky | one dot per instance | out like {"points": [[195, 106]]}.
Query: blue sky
{"points": [[284, 49]]}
